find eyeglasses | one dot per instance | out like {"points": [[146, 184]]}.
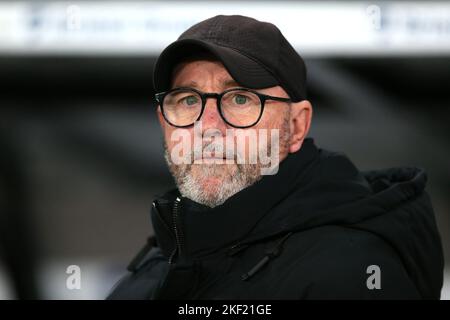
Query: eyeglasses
{"points": [[239, 107]]}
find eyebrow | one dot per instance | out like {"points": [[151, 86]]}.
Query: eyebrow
{"points": [[224, 84]]}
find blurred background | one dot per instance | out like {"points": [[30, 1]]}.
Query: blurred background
{"points": [[80, 147]]}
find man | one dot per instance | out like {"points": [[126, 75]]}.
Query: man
{"points": [[304, 225]]}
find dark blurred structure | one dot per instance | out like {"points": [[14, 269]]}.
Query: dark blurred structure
{"points": [[16, 234], [81, 153]]}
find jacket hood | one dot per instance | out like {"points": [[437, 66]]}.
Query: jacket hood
{"points": [[315, 187]]}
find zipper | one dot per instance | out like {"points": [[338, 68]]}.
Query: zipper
{"points": [[169, 229], [179, 238]]}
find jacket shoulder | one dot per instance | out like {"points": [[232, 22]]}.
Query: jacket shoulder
{"points": [[347, 263], [143, 282]]}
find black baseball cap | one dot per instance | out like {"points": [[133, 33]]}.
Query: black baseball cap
{"points": [[255, 53]]}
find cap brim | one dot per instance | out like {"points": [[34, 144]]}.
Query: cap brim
{"points": [[244, 70]]}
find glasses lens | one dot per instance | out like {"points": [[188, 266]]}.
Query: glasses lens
{"points": [[182, 107], [241, 108]]}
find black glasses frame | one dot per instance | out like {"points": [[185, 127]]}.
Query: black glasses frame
{"points": [[218, 96]]}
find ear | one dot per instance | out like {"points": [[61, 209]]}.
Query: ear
{"points": [[300, 121]]}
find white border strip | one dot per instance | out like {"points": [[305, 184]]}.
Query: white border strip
{"points": [[137, 27]]}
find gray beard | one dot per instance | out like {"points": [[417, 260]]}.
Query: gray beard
{"points": [[234, 177]]}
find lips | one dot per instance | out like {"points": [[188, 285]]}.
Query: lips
{"points": [[213, 159]]}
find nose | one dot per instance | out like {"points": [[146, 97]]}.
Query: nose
{"points": [[211, 118]]}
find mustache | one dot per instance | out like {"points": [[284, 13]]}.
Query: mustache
{"points": [[209, 149]]}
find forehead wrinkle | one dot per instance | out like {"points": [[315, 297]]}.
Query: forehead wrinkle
{"points": [[224, 84]]}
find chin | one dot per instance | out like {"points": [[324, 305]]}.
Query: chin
{"points": [[210, 185]]}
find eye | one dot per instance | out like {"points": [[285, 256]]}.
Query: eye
{"points": [[190, 100], [240, 99]]}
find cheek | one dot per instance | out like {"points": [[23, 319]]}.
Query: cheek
{"points": [[272, 117], [168, 137], [177, 137], [167, 134]]}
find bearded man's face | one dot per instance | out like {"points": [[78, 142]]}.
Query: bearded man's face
{"points": [[222, 174]]}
